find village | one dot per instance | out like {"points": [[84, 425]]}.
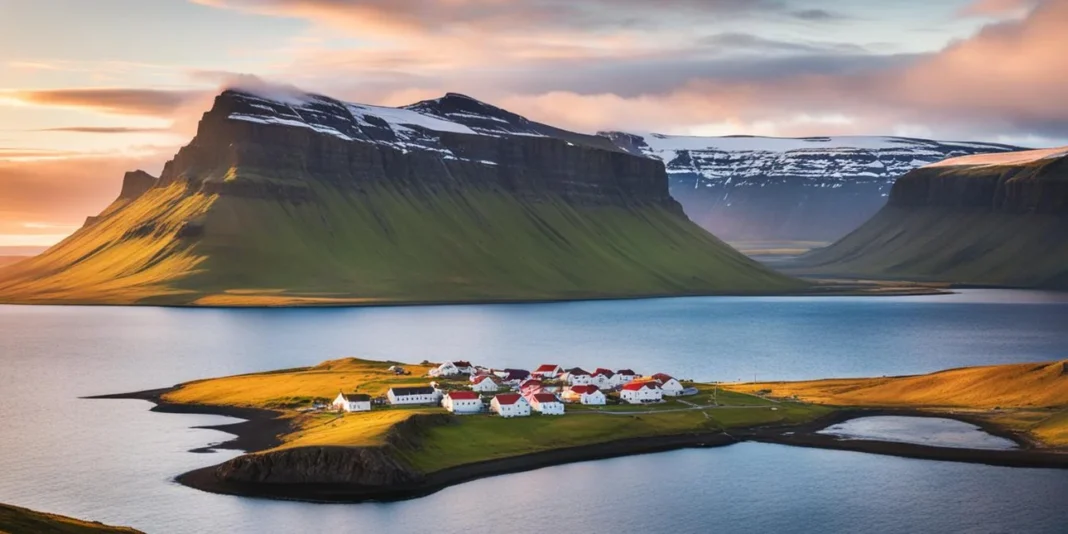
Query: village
{"points": [[463, 389]]}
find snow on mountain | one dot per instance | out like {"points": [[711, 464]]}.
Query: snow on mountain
{"points": [[418, 126], [821, 158], [773, 188]]}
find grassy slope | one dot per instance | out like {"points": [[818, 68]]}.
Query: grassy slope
{"points": [[1031, 397], [104, 263], [383, 246], [475, 438], [958, 245], [15, 520]]}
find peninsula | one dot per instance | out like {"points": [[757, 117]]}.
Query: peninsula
{"points": [[353, 430], [15, 519]]}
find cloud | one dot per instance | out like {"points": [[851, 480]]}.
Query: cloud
{"points": [[50, 194], [378, 17], [103, 130], [815, 15], [996, 8], [119, 101]]}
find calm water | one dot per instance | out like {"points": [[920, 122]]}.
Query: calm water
{"points": [[113, 460], [931, 431]]}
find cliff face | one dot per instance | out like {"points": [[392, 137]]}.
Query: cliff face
{"points": [[965, 221], [362, 466], [1039, 188], [301, 199], [353, 148], [782, 189]]}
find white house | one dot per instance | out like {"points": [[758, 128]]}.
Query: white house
{"points": [[670, 386], [547, 404], [603, 378], [510, 405], [485, 384], [641, 392], [625, 376], [352, 402], [462, 402], [577, 377], [547, 371], [414, 395], [445, 369], [464, 367], [591, 395]]}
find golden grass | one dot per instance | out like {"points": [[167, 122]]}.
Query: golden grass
{"points": [[1030, 398], [272, 298], [1035, 385], [15, 520], [349, 430], [103, 263], [279, 389]]}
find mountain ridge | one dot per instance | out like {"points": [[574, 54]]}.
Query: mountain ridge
{"points": [[991, 220], [788, 189], [302, 199]]}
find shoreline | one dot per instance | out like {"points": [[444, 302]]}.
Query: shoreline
{"points": [[907, 289], [262, 427]]}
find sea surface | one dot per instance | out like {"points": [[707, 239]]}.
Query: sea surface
{"points": [[114, 461]]}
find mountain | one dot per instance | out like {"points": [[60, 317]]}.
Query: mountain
{"points": [[299, 199], [998, 219], [782, 189]]}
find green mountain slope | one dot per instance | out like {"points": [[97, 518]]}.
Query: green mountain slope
{"points": [[250, 221], [993, 221]]}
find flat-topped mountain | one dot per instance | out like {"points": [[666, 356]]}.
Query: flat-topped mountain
{"points": [[788, 189], [300, 199], [997, 219]]}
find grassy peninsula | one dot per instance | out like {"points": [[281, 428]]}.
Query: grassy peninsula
{"points": [[16, 520], [300, 450], [471, 438], [1028, 399]]}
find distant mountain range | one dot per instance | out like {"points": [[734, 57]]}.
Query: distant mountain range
{"points": [[301, 199], [993, 220], [788, 189]]}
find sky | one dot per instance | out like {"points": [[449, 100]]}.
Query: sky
{"points": [[89, 90]]}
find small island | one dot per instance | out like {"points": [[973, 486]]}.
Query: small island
{"points": [[354, 430]]}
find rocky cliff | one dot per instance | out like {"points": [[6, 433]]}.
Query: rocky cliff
{"points": [[985, 220], [372, 466], [300, 199], [782, 189]]}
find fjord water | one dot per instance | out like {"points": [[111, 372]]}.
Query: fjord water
{"points": [[113, 461]]}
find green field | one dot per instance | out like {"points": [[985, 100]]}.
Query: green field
{"points": [[381, 245], [470, 438], [485, 437], [16, 520]]}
